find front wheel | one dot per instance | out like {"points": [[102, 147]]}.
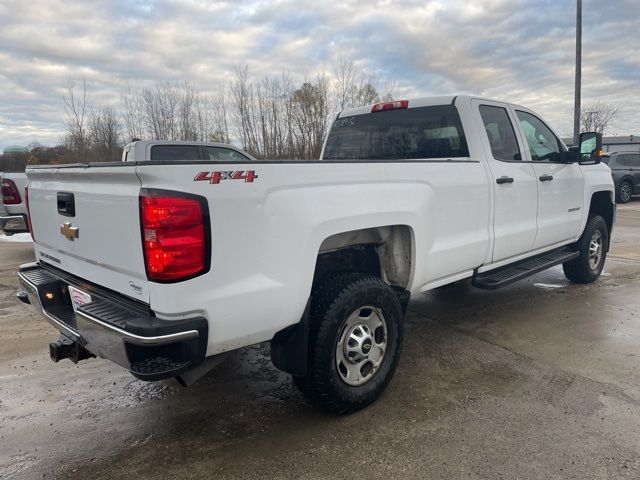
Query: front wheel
{"points": [[355, 341], [625, 192], [592, 245]]}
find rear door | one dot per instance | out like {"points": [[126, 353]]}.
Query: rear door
{"points": [[560, 185], [633, 162], [514, 181], [86, 222]]}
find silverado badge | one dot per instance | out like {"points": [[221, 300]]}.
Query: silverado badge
{"points": [[68, 231]]}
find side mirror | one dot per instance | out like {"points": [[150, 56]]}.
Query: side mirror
{"points": [[590, 145]]}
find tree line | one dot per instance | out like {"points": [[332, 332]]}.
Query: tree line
{"points": [[273, 117]]}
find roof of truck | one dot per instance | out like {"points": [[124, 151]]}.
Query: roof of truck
{"points": [[181, 142], [420, 102]]}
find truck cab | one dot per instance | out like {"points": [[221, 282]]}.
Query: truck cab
{"points": [[163, 151]]}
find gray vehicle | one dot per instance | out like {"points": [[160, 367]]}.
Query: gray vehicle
{"points": [[625, 169], [13, 215]]}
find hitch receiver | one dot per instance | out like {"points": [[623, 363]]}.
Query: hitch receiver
{"points": [[67, 348]]}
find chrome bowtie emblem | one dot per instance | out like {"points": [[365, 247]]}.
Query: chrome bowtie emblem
{"points": [[68, 231]]}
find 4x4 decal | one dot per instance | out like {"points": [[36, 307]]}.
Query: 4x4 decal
{"points": [[216, 177]]}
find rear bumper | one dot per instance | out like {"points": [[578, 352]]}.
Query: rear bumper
{"points": [[13, 224], [114, 327]]}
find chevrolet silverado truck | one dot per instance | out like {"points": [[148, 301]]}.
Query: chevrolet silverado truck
{"points": [[13, 218], [163, 266]]}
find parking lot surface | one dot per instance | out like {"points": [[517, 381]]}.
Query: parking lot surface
{"points": [[537, 380]]}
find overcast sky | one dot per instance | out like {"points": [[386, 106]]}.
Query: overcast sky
{"points": [[519, 51]]}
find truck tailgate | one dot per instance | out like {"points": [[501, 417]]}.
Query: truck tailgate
{"points": [[86, 222]]}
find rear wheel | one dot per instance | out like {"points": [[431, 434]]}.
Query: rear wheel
{"points": [[592, 245], [355, 341], [625, 191]]}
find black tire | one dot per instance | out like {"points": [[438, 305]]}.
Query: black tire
{"points": [[333, 302], [582, 269], [625, 191]]}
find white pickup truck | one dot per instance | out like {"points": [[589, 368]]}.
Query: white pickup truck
{"points": [[162, 266]]}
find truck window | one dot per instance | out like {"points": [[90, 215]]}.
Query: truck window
{"points": [[633, 160], [502, 136], [174, 152], [221, 154], [543, 144], [412, 133]]}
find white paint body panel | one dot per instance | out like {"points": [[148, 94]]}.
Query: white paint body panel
{"points": [[108, 250], [265, 235]]}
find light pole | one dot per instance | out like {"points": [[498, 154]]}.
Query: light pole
{"points": [[576, 101]]}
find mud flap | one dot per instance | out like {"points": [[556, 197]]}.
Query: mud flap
{"points": [[290, 346]]}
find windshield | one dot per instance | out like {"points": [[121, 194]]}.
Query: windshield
{"points": [[413, 133]]}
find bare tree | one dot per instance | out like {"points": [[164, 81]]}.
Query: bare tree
{"points": [[273, 117], [105, 135], [310, 117], [75, 105], [218, 109], [354, 86], [132, 115], [597, 116]]}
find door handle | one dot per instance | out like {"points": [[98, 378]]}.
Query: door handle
{"points": [[66, 204], [504, 179], [546, 178]]}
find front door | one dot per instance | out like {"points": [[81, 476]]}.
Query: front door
{"points": [[514, 181], [560, 185]]}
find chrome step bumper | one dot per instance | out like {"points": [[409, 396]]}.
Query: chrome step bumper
{"points": [[116, 330]]}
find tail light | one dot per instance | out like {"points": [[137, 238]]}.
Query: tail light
{"points": [[10, 194], [395, 105], [26, 201], [175, 235]]}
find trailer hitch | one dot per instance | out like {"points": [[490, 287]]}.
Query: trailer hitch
{"points": [[67, 348]]}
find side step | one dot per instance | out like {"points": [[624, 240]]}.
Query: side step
{"points": [[508, 274]]}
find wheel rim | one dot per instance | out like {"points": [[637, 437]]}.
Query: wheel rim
{"points": [[625, 192], [361, 346], [595, 250]]}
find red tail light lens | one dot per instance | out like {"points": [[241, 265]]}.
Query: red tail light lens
{"points": [[395, 105], [26, 201], [175, 235], [10, 194]]}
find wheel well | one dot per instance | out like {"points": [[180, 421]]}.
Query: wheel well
{"points": [[602, 204], [385, 252], [627, 179]]}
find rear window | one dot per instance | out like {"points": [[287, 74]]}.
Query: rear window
{"points": [[412, 133], [221, 154], [174, 152]]}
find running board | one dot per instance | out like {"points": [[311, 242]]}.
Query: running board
{"points": [[506, 275]]}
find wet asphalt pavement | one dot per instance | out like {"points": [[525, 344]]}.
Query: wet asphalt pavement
{"points": [[538, 380]]}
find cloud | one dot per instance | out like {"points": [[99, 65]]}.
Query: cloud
{"points": [[520, 51]]}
